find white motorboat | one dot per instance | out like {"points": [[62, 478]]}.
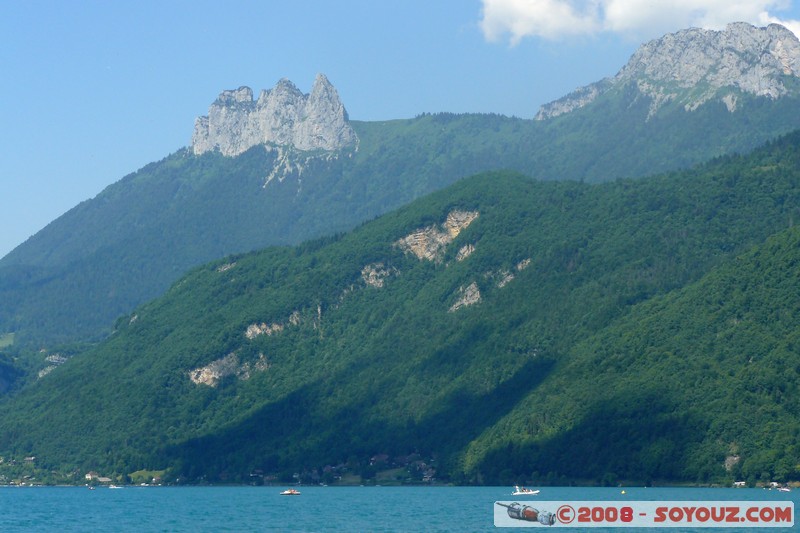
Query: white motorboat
{"points": [[522, 491]]}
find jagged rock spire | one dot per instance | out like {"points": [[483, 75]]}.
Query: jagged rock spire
{"points": [[282, 116]]}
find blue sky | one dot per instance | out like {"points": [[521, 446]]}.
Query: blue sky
{"points": [[94, 90]]}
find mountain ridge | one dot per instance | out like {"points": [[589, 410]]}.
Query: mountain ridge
{"points": [[72, 279], [693, 66]]}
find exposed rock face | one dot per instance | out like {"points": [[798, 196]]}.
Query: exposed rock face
{"points": [[503, 277], [375, 274], [229, 365], [428, 243], [506, 277], [282, 116], [212, 373], [574, 100], [465, 251], [694, 66], [254, 330], [468, 296], [55, 360], [226, 267]]}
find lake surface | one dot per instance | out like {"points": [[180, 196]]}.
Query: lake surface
{"points": [[351, 509]]}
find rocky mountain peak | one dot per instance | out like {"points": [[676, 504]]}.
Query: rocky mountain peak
{"points": [[242, 95], [282, 116], [694, 66]]}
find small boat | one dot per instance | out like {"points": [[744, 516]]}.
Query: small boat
{"points": [[784, 489], [290, 492], [522, 491]]}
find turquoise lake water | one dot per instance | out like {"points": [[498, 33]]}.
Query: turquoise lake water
{"points": [[351, 509]]}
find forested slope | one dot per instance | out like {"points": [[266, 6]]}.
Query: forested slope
{"points": [[70, 281], [564, 321]]}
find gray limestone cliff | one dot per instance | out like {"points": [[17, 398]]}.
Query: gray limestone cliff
{"points": [[283, 116], [694, 66]]}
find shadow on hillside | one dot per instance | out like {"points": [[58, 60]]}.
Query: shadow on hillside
{"points": [[637, 437], [464, 416], [261, 441], [297, 432]]}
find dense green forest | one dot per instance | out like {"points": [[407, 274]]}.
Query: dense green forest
{"points": [[718, 359], [635, 329], [71, 280]]}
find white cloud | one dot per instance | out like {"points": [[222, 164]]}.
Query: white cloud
{"points": [[792, 24], [544, 18], [554, 19]]}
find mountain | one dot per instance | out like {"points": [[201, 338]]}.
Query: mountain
{"points": [[501, 329], [283, 116], [287, 167], [671, 387], [694, 66]]}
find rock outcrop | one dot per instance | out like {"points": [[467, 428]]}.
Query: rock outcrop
{"points": [[255, 330], [54, 361], [694, 66], [283, 116], [429, 243], [216, 371], [465, 251], [469, 295], [375, 274]]}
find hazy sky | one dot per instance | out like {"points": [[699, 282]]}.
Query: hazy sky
{"points": [[94, 90]]}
